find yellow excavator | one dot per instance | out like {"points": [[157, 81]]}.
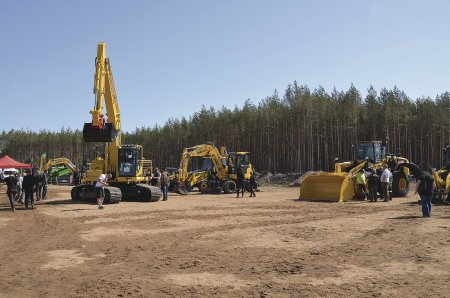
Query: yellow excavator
{"points": [[223, 169], [442, 179], [69, 168], [341, 186], [125, 162], [58, 162]]}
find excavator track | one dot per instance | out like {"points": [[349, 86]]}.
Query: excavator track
{"points": [[88, 192], [139, 192]]}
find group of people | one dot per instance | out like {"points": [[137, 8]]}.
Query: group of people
{"points": [[241, 183], [373, 179], [161, 180], [24, 187], [424, 186]]}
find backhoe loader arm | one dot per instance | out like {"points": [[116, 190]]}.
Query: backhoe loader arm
{"points": [[202, 151], [60, 161]]}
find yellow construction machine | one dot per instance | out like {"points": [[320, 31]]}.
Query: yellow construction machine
{"points": [[61, 161], [442, 179], [125, 162], [221, 175], [340, 185]]}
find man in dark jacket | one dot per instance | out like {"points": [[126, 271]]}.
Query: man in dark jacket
{"points": [[27, 187], [44, 185], [38, 185], [372, 183], [240, 181], [425, 187], [252, 184], [11, 183]]}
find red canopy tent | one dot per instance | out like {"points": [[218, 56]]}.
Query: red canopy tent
{"points": [[8, 162]]}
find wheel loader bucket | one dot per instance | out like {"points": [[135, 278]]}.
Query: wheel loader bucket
{"points": [[327, 187], [95, 134]]}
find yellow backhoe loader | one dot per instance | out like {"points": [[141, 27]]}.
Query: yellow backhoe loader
{"points": [[442, 179], [340, 185], [125, 162], [221, 175]]}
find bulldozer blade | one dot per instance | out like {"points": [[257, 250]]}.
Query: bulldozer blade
{"points": [[327, 187], [95, 134]]}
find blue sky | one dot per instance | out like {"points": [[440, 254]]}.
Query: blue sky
{"points": [[171, 57]]}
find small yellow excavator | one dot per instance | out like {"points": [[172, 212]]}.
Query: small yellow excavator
{"points": [[442, 179], [125, 162], [340, 185], [58, 162], [223, 170]]}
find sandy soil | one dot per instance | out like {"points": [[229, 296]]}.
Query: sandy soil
{"points": [[203, 245]]}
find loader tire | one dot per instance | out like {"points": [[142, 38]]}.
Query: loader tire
{"points": [[229, 187], [400, 184]]}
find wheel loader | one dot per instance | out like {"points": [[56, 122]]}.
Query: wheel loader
{"points": [[125, 162], [341, 186], [442, 179]]}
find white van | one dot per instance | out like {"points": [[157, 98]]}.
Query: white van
{"points": [[8, 172]]}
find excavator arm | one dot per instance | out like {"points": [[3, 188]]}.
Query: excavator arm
{"points": [[99, 129], [203, 150], [60, 161]]}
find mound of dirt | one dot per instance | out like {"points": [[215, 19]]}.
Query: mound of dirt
{"points": [[287, 179]]}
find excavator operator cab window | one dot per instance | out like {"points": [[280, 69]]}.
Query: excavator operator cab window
{"points": [[129, 161]]}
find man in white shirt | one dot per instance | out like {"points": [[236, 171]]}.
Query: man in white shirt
{"points": [[385, 182], [100, 186]]}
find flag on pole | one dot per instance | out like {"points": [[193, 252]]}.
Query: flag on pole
{"points": [[43, 161]]}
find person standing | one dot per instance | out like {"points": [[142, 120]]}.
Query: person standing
{"points": [[38, 185], [252, 184], [425, 189], [372, 184], [361, 181], [240, 181], [391, 182], [100, 187], [385, 182], [156, 179], [19, 188], [11, 183], [28, 188], [165, 182], [44, 185]]}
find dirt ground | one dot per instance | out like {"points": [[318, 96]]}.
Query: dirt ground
{"points": [[204, 245]]}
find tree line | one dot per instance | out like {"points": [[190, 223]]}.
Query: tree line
{"points": [[298, 131]]}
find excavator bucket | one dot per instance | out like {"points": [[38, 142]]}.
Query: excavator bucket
{"points": [[95, 134], [327, 187], [182, 190]]}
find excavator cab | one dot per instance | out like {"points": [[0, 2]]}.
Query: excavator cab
{"points": [[239, 159], [130, 160]]}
